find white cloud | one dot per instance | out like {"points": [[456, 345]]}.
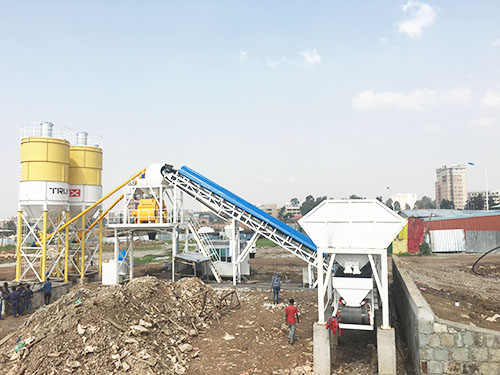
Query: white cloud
{"points": [[422, 15], [460, 95], [431, 128], [484, 122], [420, 99], [496, 43], [491, 99], [272, 63], [311, 57], [415, 100], [384, 40], [243, 56]]}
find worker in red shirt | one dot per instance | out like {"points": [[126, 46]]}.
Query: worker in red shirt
{"points": [[291, 318]]}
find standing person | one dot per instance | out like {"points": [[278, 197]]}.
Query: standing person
{"points": [[47, 290], [1, 305], [291, 318], [5, 297], [28, 294], [14, 297], [276, 286], [22, 303]]}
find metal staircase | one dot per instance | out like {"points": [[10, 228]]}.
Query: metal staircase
{"points": [[206, 246], [227, 210]]}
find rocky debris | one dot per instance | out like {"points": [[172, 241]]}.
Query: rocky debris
{"points": [[143, 327]]}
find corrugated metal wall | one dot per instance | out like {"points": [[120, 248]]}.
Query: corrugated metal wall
{"points": [[447, 241], [481, 222], [480, 233], [481, 241]]}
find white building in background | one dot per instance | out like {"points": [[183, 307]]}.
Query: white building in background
{"points": [[269, 208], [451, 184], [293, 210], [405, 199], [492, 194]]}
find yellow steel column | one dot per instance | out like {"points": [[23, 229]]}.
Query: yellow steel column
{"points": [[58, 263], [82, 256], [18, 244], [100, 247], [43, 263], [66, 250]]}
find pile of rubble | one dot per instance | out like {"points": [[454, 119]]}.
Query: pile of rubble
{"points": [[143, 327]]}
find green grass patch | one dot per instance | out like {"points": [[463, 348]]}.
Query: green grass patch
{"points": [[8, 248], [419, 254], [150, 258], [261, 242]]}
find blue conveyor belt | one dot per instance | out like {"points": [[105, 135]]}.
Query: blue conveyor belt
{"points": [[248, 207]]}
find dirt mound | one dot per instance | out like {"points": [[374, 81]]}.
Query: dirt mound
{"points": [[143, 327]]}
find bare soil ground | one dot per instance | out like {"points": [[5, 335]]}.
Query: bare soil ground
{"points": [[454, 291], [260, 344]]}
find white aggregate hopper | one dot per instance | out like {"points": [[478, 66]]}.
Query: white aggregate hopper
{"points": [[353, 233]]}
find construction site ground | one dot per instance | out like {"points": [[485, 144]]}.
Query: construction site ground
{"points": [[456, 293], [252, 339]]}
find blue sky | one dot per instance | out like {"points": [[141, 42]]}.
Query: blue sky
{"points": [[271, 99]]}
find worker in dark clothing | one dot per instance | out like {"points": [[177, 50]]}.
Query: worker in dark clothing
{"points": [[276, 286], [20, 308], [14, 298], [47, 290], [1, 305], [28, 295]]}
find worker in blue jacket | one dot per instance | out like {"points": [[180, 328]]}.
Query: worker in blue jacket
{"points": [[14, 297], [47, 290]]}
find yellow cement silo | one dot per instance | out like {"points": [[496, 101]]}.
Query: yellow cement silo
{"points": [[43, 194], [85, 188]]}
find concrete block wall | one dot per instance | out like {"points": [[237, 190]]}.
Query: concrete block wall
{"points": [[439, 346]]}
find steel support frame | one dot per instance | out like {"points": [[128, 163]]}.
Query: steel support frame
{"points": [[49, 260], [378, 263], [88, 246], [234, 248]]}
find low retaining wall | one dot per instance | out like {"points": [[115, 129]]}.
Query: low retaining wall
{"points": [[439, 346]]}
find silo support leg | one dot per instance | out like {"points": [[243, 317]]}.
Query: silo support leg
{"points": [[386, 351], [18, 244], [82, 256], [43, 264], [321, 349]]}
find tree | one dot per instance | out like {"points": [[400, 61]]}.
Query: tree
{"points": [[425, 203], [407, 206], [281, 212], [380, 199], [388, 203], [475, 203], [354, 196], [307, 205], [491, 201], [295, 202], [11, 225], [310, 203], [446, 204], [397, 206]]}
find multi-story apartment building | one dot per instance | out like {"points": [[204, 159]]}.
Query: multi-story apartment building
{"points": [[451, 184]]}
